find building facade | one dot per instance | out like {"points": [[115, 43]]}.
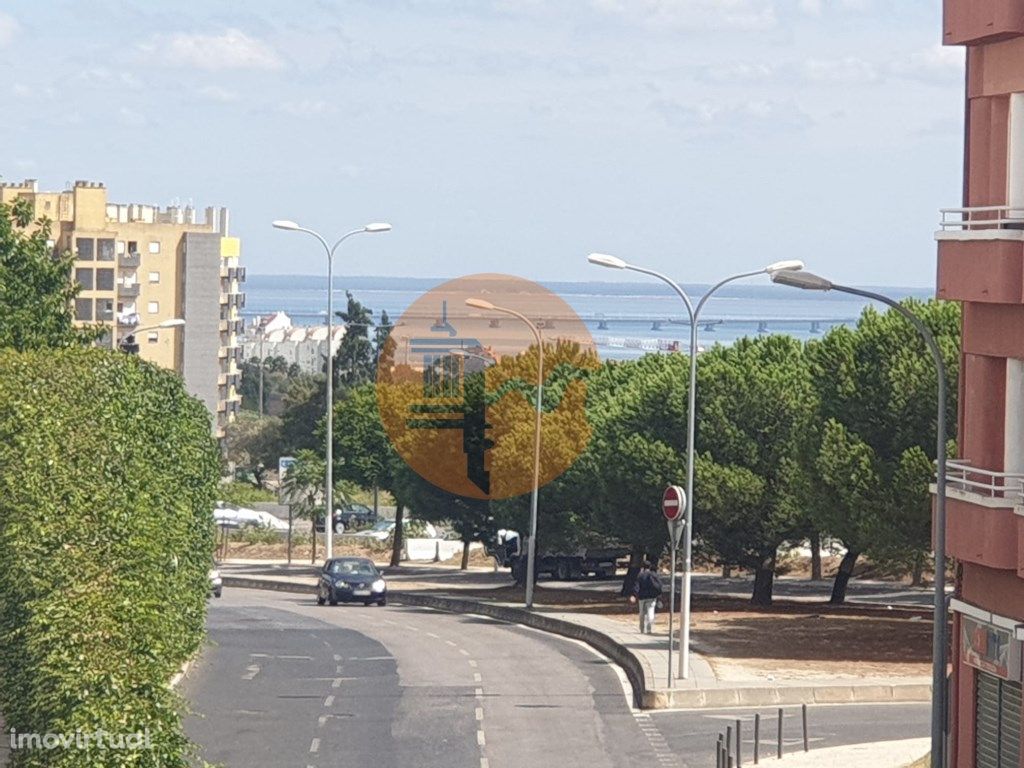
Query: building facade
{"points": [[140, 266], [981, 265]]}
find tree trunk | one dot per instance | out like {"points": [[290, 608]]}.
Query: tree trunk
{"points": [[815, 556], [464, 565], [396, 549], [764, 578], [917, 575], [726, 571], [843, 577], [635, 557], [313, 560]]}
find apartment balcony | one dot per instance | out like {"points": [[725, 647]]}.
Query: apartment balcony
{"points": [[981, 254], [233, 273], [986, 222], [127, 289], [985, 516], [129, 259]]}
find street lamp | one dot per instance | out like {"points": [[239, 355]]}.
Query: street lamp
{"points": [[291, 226], [812, 282], [613, 262], [531, 546], [128, 345]]}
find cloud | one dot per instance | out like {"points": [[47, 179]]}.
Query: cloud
{"points": [[938, 64], [737, 72], [216, 93], [131, 118], [9, 28], [733, 119], [232, 49], [846, 70], [305, 107], [694, 14]]}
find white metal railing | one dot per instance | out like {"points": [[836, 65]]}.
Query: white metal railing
{"points": [[982, 218], [961, 476]]}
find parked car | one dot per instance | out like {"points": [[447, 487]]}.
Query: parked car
{"points": [[216, 582], [383, 528], [348, 516], [230, 516], [351, 580]]}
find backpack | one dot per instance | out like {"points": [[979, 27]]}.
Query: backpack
{"points": [[656, 584]]}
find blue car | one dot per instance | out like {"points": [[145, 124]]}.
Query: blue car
{"points": [[351, 580]]}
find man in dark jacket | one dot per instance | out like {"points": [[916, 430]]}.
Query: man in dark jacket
{"points": [[646, 593]]}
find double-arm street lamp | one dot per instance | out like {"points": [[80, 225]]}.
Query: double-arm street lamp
{"points": [[531, 545], [291, 226], [811, 282], [613, 262]]}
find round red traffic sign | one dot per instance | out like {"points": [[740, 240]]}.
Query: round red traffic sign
{"points": [[673, 503]]}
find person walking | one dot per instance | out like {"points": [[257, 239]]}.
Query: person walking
{"points": [[646, 593]]}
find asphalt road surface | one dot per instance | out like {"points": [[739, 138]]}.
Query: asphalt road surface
{"points": [[284, 682]]}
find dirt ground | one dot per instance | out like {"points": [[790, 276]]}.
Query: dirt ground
{"points": [[790, 640]]}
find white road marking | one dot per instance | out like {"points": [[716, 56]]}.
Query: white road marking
{"points": [[412, 628], [336, 683], [472, 663], [321, 720], [370, 658], [480, 740], [251, 671], [314, 746], [337, 657], [477, 678], [431, 634], [295, 658], [479, 713], [463, 651], [329, 701], [484, 763], [449, 642], [479, 693]]}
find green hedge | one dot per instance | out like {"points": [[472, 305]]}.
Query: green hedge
{"points": [[108, 475]]}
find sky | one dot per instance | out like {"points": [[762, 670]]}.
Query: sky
{"points": [[699, 137]]}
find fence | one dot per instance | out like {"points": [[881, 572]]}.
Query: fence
{"points": [[729, 746]]}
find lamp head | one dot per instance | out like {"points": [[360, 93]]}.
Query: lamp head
{"points": [[285, 224], [479, 304], [808, 281], [790, 265], [380, 226], [174, 322], [604, 260]]}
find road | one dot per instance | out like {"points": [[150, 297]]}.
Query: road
{"points": [[286, 683]]}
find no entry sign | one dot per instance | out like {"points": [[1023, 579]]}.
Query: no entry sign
{"points": [[673, 503]]}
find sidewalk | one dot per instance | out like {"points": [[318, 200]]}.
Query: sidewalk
{"points": [[879, 754], [646, 656]]}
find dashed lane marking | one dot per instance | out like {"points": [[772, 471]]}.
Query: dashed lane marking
{"points": [[314, 745], [329, 701]]}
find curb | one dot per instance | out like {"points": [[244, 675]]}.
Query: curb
{"points": [[643, 697], [181, 673]]}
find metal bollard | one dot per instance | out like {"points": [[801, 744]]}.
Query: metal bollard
{"points": [[720, 752], [757, 736], [780, 734], [804, 713], [728, 742], [739, 741]]}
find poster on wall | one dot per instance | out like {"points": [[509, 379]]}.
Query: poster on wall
{"points": [[990, 648]]}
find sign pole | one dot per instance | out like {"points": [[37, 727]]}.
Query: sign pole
{"points": [[673, 502]]}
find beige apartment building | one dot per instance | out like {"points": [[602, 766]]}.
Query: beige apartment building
{"points": [[140, 266]]}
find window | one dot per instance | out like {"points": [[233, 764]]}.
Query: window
{"points": [[85, 248], [133, 247], [105, 249], [154, 246], [104, 279], [997, 720], [154, 277], [83, 309], [119, 247], [104, 309], [83, 276], [153, 307], [152, 337]]}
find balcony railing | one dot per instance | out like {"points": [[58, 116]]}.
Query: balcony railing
{"points": [[1008, 486], [129, 259], [985, 221], [127, 289]]}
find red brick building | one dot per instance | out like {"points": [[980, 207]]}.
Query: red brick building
{"points": [[981, 263]]}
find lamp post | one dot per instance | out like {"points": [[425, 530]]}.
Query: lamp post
{"points": [[531, 546], [812, 282], [291, 226], [128, 345], [613, 262]]}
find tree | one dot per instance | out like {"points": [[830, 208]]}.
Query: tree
{"points": [[355, 362], [755, 398], [253, 445], [876, 385], [304, 487], [37, 294]]}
